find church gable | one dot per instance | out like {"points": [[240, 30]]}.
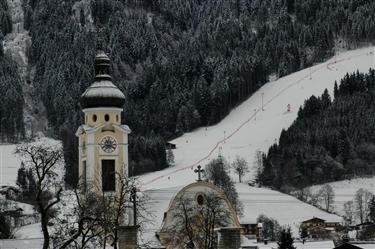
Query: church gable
{"points": [[193, 204]]}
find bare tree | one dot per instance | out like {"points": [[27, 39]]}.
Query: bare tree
{"points": [[79, 226], [349, 212], [327, 195], [240, 166], [195, 223], [361, 200], [43, 158]]}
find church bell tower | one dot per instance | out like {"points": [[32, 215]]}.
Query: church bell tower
{"points": [[103, 140]]}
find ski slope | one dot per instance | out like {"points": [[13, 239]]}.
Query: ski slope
{"points": [[247, 128]]}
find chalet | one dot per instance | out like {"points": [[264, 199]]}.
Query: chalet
{"points": [[252, 230], [319, 228]]}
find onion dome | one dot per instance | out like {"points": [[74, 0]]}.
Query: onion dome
{"points": [[102, 93]]}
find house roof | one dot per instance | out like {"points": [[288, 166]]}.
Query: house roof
{"points": [[313, 219]]}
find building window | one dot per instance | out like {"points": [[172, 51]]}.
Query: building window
{"points": [[106, 117], [94, 118], [84, 175], [200, 200], [108, 175], [116, 118]]}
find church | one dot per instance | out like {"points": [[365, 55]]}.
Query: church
{"points": [[103, 157], [103, 140]]}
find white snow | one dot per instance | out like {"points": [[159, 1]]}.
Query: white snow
{"points": [[29, 232], [21, 244], [247, 128], [345, 190], [9, 165], [242, 132], [287, 210]]}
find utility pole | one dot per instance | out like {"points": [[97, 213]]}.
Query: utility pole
{"points": [[134, 200], [255, 114]]}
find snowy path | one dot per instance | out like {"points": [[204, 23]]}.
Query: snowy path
{"points": [[247, 128]]}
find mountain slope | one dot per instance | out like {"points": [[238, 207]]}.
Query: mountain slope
{"points": [[247, 128]]}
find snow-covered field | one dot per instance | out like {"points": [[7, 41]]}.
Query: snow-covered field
{"points": [[287, 210], [247, 128], [9, 165], [345, 190], [244, 131]]}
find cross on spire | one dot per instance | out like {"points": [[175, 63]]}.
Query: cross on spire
{"points": [[100, 34], [199, 170]]}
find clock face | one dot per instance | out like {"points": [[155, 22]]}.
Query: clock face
{"points": [[108, 144]]}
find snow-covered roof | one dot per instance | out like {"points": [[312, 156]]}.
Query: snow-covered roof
{"points": [[102, 93]]}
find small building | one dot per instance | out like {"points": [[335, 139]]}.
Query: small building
{"points": [[314, 222], [170, 146], [252, 230], [319, 228], [197, 194], [347, 246]]}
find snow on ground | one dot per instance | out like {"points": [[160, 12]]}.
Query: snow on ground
{"points": [[308, 245], [345, 190], [287, 210], [21, 244], [9, 165], [29, 232], [247, 128]]}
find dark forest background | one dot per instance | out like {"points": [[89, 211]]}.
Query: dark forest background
{"points": [[182, 64], [330, 140]]}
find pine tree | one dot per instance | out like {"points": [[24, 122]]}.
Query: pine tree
{"points": [[170, 157], [22, 179], [285, 240]]}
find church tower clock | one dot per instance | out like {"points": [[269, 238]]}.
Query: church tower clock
{"points": [[103, 140]]}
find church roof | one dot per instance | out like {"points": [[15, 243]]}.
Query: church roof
{"points": [[102, 93]]}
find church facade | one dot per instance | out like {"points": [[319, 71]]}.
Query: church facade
{"points": [[103, 140]]}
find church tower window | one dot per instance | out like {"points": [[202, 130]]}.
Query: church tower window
{"points": [[84, 175], [108, 175]]}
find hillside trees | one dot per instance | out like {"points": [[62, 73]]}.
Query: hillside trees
{"points": [[217, 171], [181, 64], [330, 139], [240, 167]]}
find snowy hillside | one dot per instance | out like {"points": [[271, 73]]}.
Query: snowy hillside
{"points": [[9, 165], [247, 128], [345, 190]]}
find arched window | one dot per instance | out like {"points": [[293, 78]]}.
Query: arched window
{"points": [[116, 118], [94, 118], [106, 117], [200, 200]]}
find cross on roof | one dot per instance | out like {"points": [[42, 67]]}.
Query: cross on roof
{"points": [[199, 170]]}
